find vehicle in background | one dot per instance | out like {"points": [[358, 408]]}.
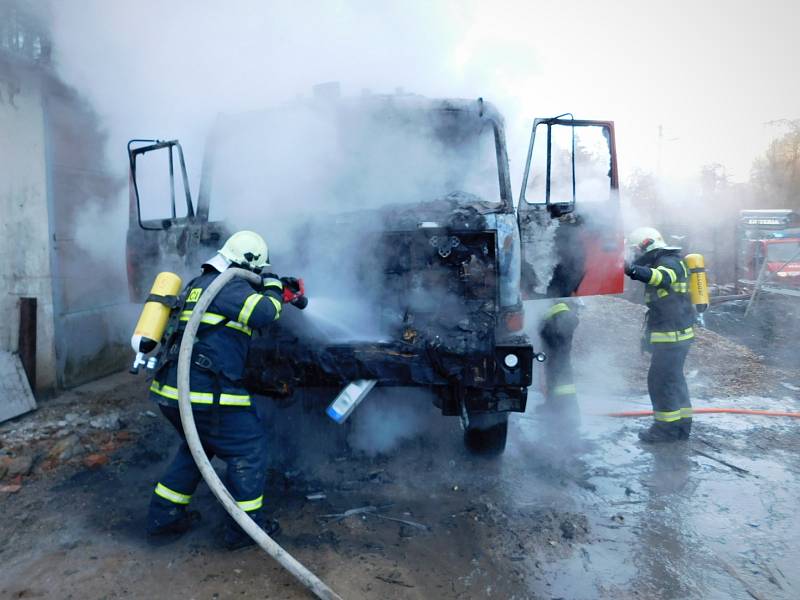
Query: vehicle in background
{"points": [[768, 240], [399, 208]]}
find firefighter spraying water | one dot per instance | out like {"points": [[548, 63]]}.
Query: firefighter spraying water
{"points": [[225, 415]]}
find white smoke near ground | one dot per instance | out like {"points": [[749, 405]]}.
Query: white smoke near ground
{"points": [[389, 417]]}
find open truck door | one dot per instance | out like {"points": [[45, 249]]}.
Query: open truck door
{"points": [[165, 230], [568, 213]]}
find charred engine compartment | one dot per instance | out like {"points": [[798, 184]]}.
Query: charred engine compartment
{"points": [[436, 293], [440, 289]]}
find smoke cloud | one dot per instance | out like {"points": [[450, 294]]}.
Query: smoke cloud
{"points": [[389, 417], [189, 70], [178, 69]]}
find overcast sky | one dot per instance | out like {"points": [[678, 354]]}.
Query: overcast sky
{"points": [[711, 73]]}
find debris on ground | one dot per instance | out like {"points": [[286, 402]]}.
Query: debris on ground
{"points": [[77, 428], [13, 486], [95, 461], [594, 519]]}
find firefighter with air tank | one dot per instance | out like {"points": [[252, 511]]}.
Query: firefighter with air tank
{"points": [[226, 417], [669, 327]]}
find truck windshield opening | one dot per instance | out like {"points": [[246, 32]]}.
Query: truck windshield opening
{"points": [[340, 159]]}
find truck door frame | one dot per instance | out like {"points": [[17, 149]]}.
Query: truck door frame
{"points": [[601, 247], [169, 243]]}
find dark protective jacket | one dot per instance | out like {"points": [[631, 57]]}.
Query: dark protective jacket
{"points": [[670, 314], [223, 340]]}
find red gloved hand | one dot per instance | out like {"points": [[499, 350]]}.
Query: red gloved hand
{"points": [[293, 288]]}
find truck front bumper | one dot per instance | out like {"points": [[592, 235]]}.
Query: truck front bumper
{"points": [[496, 378]]}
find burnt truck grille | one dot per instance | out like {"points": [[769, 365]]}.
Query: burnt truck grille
{"points": [[440, 288], [438, 297]]}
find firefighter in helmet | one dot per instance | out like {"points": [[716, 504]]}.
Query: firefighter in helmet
{"points": [[668, 332], [227, 418]]}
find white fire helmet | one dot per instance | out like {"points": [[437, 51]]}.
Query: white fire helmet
{"points": [[246, 249], [644, 239]]}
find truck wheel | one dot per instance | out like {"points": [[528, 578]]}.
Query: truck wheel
{"points": [[487, 433]]}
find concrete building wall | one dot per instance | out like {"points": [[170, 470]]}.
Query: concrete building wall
{"points": [[25, 243], [90, 286], [54, 182]]}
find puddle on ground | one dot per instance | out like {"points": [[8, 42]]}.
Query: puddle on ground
{"points": [[667, 521]]}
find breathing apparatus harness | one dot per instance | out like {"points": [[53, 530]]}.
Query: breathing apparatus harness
{"points": [[170, 343]]}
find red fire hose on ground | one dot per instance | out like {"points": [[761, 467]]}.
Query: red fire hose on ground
{"points": [[735, 411]]}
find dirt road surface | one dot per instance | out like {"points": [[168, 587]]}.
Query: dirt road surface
{"points": [[593, 514]]}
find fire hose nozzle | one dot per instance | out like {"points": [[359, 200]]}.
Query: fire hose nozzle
{"points": [[300, 301], [294, 292]]}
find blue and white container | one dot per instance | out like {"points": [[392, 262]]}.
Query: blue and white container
{"points": [[350, 397]]}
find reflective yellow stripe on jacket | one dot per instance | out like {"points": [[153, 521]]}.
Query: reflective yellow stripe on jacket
{"points": [[659, 337], [247, 308], [657, 276], [214, 319], [167, 391], [271, 282]]}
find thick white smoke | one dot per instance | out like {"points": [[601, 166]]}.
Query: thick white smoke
{"points": [[154, 69]]}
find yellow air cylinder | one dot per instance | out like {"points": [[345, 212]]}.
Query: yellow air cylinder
{"points": [[698, 282], [155, 315]]}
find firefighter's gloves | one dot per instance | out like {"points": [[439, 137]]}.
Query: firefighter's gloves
{"points": [[636, 272], [291, 288], [293, 283], [288, 289], [628, 269], [294, 292]]}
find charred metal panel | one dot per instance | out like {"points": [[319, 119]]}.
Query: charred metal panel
{"points": [[509, 254], [440, 288]]}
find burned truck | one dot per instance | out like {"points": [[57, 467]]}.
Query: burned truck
{"points": [[398, 212]]}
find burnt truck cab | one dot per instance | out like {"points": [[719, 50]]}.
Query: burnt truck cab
{"points": [[398, 212], [769, 240]]}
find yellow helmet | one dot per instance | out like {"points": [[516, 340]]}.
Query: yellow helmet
{"points": [[246, 249], [644, 239]]}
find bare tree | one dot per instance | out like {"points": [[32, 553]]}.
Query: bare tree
{"points": [[776, 175]]}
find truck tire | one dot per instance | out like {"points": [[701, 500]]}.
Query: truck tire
{"points": [[487, 433]]}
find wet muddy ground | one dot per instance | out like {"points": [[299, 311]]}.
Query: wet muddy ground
{"points": [[594, 515], [771, 328]]}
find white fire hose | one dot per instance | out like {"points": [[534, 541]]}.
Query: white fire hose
{"points": [[287, 561]]}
